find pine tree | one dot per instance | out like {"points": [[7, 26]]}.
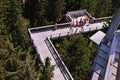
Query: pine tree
{"points": [[89, 5], [41, 15], [13, 35], [59, 8], [103, 8], [35, 10], [14, 23], [9, 59], [70, 5], [116, 5], [48, 70], [77, 52]]}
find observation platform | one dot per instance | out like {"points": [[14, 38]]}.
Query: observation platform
{"points": [[41, 38]]}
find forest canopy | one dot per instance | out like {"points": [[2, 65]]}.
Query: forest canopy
{"points": [[78, 54], [18, 58]]}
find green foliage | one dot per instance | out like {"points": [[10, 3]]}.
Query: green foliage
{"points": [[71, 5], [47, 70], [58, 9], [13, 23], [116, 5], [35, 10], [89, 5], [103, 8], [43, 12], [18, 60], [78, 54], [40, 12]]}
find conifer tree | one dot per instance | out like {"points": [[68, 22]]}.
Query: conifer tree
{"points": [[58, 10], [116, 5], [89, 5], [103, 8], [35, 10], [48, 70], [70, 5], [13, 21], [77, 52]]}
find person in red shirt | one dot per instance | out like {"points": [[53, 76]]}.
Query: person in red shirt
{"points": [[76, 22]]}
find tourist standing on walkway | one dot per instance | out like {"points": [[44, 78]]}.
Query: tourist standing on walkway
{"points": [[82, 29], [55, 26], [71, 30]]}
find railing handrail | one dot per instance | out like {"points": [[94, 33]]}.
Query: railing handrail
{"points": [[84, 30], [109, 17], [49, 26], [39, 29], [111, 58], [59, 58]]}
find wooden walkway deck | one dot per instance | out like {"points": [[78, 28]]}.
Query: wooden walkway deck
{"points": [[41, 40]]}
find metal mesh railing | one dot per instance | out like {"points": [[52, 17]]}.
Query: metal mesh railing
{"points": [[59, 61]]}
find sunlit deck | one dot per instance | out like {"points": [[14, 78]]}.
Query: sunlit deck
{"points": [[42, 43]]}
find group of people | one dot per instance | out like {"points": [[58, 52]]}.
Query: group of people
{"points": [[79, 22]]}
